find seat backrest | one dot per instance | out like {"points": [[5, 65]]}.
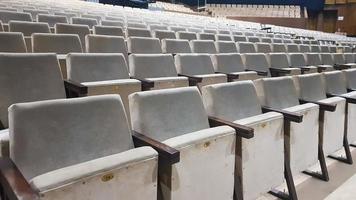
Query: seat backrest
{"points": [[112, 23], [350, 76], [12, 42], [292, 48], [106, 44], [327, 59], [34, 13], [256, 61], [98, 18], [66, 132], [68, 15], [108, 30], [27, 28], [168, 113], [324, 49], [279, 48], [158, 27], [297, 60], [263, 47], [56, 43], [80, 30], [266, 40], [239, 38], [335, 82], [279, 60], [315, 48], [349, 58], [223, 37], [339, 58], [175, 46], [203, 46], [90, 67], [194, 64], [253, 39], [304, 48], [52, 20], [6, 16], [226, 47], [138, 32], [177, 28], [152, 65], [143, 45], [228, 62], [164, 34], [186, 35], [313, 59], [136, 25], [84, 21], [332, 49], [287, 41], [277, 40], [246, 47], [231, 101], [311, 87], [206, 36], [26, 77], [280, 92]]}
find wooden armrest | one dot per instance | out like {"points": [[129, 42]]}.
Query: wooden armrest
{"points": [[1, 126], [74, 89], [230, 77], [322, 106], [145, 84], [348, 99], [290, 116], [166, 154], [304, 69], [13, 183], [279, 72], [351, 90], [241, 130], [193, 80], [341, 66], [260, 73]]}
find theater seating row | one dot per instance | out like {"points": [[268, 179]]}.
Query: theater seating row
{"points": [[231, 128]]}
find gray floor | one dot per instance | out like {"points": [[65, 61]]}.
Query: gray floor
{"points": [[314, 189]]}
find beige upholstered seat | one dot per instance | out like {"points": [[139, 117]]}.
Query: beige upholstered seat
{"points": [[280, 61], [52, 20], [175, 46], [12, 42], [203, 46], [225, 47], [138, 32], [106, 44], [85, 21], [80, 30], [186, 35], [143, 45], [246, 47], [108, 30]]}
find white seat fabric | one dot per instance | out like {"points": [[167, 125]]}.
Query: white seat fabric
{"points": [[203, 46], [52, 20], [138, 32], [108, 30], [164, 34], [246, 47], [186, 35], [12, 42], [106, 44], [143, 45], [175, 46], [79, 29]]}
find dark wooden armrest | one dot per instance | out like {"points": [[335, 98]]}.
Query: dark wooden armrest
{"points": [[279, 72], [304, 69], [321, 68], [322, 106], [348, 99], [260, 73], [74, 89], [341, 66], [290, 116], [193, 80], [1, 126], [351, 90], [145, 84], [241, 130], [13, 183], [230, 77], [166, 154]]}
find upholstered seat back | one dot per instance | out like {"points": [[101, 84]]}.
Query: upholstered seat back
{"points": [[162, 34], [225, 47], [194, 64], [152, 65], [263, 47], [339, 58], [327, 59], [84, 21], [231, 101], [280, 92], [223, 37], [52, 20], [143, 45], [313, 59], [228, 62], [158, 27], [256, 61], [297, 60], [108, 30], [66, 132], [203, 46], [304, 48], [106, 44], [292, 48], [279, 60], [28, 77], [89, 67], [349, 58], [56, 43], [206, 36], [79, 29], [12, 42], [138, 32], [246, 47], [279, 48], [186, 35], [175, 46], [335, 82], [27, 28], [164, 114], [6, 16], [315, 48], [312, 87]]}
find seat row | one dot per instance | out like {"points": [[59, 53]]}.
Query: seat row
{"points": [[285, 124]]}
